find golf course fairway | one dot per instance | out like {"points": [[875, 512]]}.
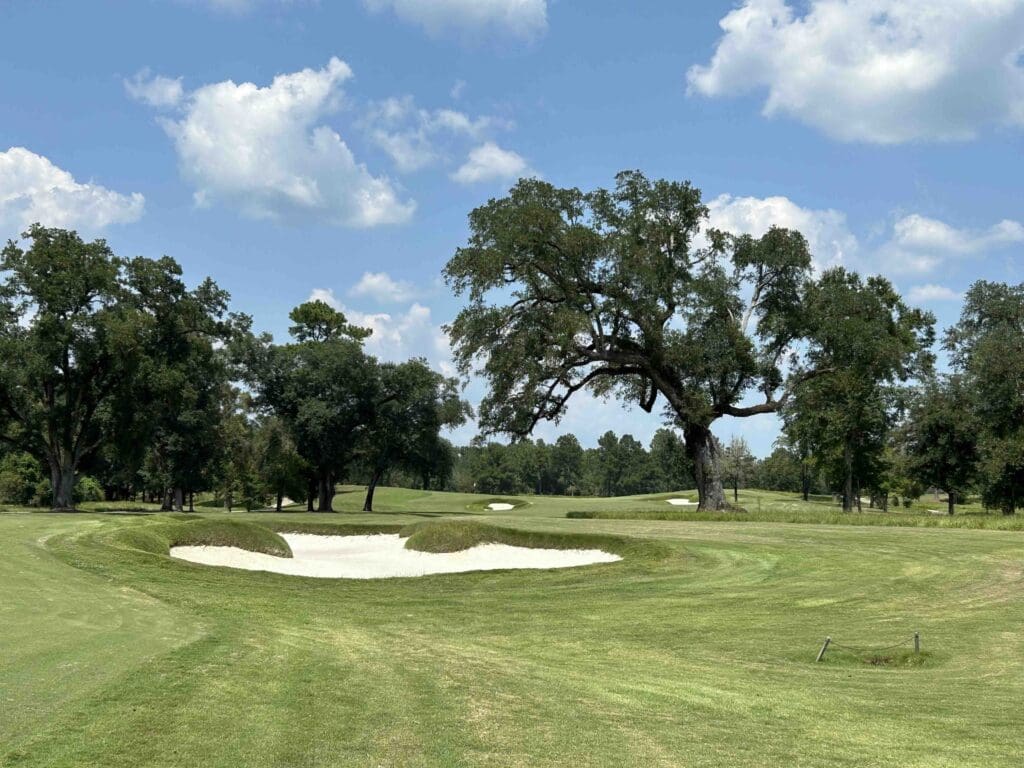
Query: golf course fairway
{"points": [[696, 649]]}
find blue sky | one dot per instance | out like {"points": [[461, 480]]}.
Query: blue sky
{"points": [[290, 148]]}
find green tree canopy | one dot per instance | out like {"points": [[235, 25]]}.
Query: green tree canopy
{"points": [[869, 341], [941, 437], [91, 333], [414, 404], [323, 386], [987, 347], [619, 292]]}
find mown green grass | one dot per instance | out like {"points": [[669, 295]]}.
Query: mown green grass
{"points": [[697, 649], [192, 530]]}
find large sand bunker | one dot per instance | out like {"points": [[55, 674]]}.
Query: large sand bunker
{"points": [[385, 556], [500, 506]]}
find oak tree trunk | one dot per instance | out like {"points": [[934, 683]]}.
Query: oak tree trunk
{"points": [[310, 493], [703, 455], [368, 504], [848, 483], [325, 487], [62, 479]]}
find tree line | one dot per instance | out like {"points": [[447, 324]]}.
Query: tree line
{"points": [[629, 293], [117, 379]]}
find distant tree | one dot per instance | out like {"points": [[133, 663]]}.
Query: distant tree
{"points": [[413, 405], [870, 341], [567, 464], [669, 461], [738, 465], [239, 471], [323, 386], [986, 347], [612, 291], [281, 468], [782, 470], [490, 469], [608, 463], [85, 328], [941, 437]]}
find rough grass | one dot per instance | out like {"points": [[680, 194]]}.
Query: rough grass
{"points": [[458, 535], [828, 517], [193, 530]]}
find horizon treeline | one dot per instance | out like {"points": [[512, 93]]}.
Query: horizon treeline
{"points": [[119, 382]]}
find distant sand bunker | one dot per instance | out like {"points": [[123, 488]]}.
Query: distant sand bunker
{"points": [[383, 556], [682, 503], [501, 507]]}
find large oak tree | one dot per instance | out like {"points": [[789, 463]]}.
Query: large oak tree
{"points": [[621, 293]]}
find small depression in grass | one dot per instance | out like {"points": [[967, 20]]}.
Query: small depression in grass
{"points": [[380, 556]]}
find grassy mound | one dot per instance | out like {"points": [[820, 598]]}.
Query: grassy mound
{"points": [[458, 535], [448, 536], [184, 530]]}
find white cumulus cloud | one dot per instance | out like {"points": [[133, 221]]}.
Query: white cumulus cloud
{"points": [[155, 90], [415, 137], [489, 162], [397, 336], [880, 71], [830, 241], [33, 189], [382, 287], [519, 18], [932, 292], [920, 244], [266, 151]]}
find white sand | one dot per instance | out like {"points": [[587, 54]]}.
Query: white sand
{"points": [[501, 507], [385, 556], [682, 503]]}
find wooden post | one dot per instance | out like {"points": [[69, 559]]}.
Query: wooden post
{"points": [[917, 642], [824, 647]]}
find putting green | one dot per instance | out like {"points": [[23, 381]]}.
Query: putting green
{"points": [[698, 650]]}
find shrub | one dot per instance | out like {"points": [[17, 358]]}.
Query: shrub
{"points": [[88, 489], [21, 480]]}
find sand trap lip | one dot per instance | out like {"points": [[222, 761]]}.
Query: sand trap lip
{"points": [[500, 506], [682, 503], [381, 556]]}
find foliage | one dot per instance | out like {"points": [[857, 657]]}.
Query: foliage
{"points": [[413, 406], [323, 387], [987, 348], [22, 480], [869, 341], [940, 437], [613, 291], [738, 465], [89, 331]]}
